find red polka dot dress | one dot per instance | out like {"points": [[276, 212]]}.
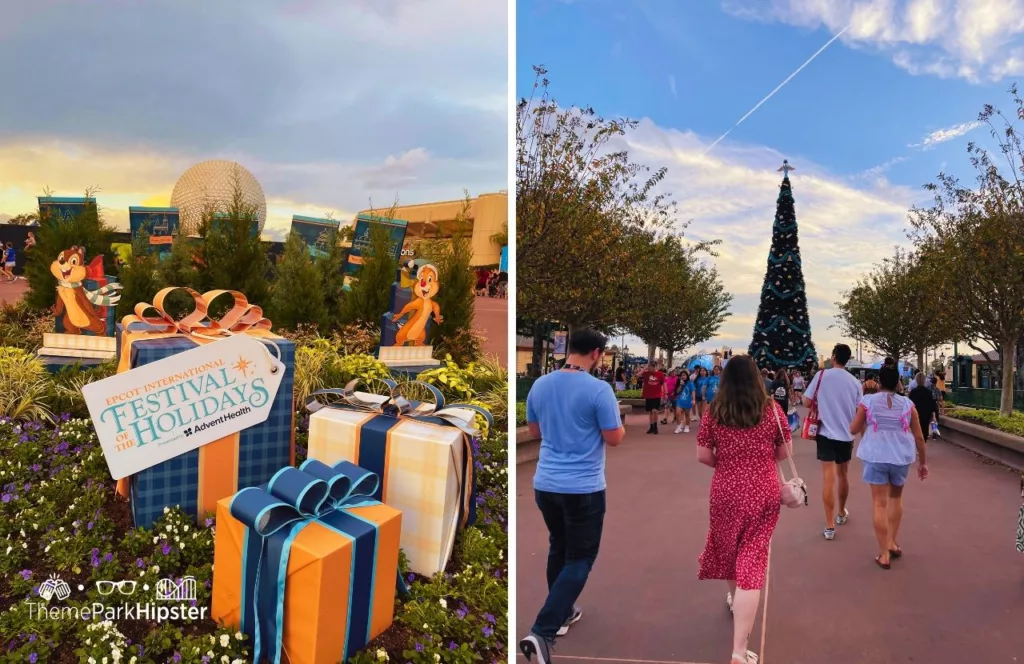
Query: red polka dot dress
{"points": [[745, 499]]}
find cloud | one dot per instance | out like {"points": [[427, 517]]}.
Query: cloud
{"points": [[846, 224], [329, 104], [976, 40], [672, 86], [946, 134]]}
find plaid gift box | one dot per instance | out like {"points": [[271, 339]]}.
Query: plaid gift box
{"points": [[307, 564], [424, 463], [196, 480]]}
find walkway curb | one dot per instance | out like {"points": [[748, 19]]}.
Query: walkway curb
{"points": [[998, 446]]}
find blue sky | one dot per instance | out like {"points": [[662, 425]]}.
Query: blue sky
{"points": [[873, 117]]}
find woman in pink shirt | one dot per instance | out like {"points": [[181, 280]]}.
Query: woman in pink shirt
{"points": [[671, 381]]}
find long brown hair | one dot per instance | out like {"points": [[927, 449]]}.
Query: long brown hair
{"points": [[741, 397]]}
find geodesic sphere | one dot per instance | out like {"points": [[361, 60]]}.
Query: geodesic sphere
{"points": [[211, 184]]}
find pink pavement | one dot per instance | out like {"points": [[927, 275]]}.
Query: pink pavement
{"points": [[956, 596]]}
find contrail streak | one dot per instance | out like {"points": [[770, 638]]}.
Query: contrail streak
{"points": [[777, 88]]}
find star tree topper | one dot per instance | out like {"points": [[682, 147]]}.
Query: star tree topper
{"points": [[785, 168]]}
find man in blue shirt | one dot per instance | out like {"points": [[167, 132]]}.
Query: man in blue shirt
{"points": [[575, 415]]}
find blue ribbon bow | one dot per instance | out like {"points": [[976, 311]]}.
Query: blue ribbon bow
{"points": [[275, 514]]}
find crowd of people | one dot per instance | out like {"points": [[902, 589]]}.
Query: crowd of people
{"points": [[491, 283], [746, 426]]}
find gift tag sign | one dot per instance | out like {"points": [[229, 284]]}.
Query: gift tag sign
{"points": [[162, 410]]}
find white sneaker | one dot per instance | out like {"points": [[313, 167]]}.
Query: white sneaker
{"points": [[841, 518], [686, 429], [679, 429], [830, 534]]}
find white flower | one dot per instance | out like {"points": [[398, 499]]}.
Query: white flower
{"points": [[225, 640], [92, 660], [156, 540], [239, 636], [167, 510], [382, 654], [186, 528], [225, 659], [437, 658], [426, 626], [444, 603], [209, 653]]}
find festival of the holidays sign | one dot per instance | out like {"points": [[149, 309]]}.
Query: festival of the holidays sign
{"points": [[162, 410]]}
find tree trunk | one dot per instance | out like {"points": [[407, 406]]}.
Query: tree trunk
{"points": [[651, 350], [920, 361], [670, 354], [1006, 356], [538, 349]]}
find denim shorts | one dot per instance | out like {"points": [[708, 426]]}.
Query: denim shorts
{"points": [[885, 473]]}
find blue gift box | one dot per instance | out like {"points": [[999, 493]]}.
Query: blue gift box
{"points": [[262, 450]]}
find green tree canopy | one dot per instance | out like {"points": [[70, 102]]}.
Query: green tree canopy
{"points": [[894, 310], [976, 235]]}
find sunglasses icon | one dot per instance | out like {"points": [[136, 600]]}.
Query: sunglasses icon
{"points": [[123, 587]]}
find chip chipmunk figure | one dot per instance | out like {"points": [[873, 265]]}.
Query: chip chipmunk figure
{"points": [[78, 308], [419, 309]]}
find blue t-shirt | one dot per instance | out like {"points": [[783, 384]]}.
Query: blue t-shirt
{"points": [[686, 394], [701, 382], [572, 409], [711, 389], [9, 255]]}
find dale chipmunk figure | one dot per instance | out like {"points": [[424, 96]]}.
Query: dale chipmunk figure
{"points": [[78, 308], [419, 309]]}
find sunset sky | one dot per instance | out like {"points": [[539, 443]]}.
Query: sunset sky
{"points": [[332, 106]]}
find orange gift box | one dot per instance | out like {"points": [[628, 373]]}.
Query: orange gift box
{"points": [[339, 573]]}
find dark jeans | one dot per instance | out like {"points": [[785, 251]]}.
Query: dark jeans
{"points": [[574, 524]]}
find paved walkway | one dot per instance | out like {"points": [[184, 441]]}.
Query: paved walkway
{"points": [[956, 596], [491, 321], [12, 292]]}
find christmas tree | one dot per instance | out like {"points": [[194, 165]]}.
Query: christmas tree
{"points": [[782, 333]]}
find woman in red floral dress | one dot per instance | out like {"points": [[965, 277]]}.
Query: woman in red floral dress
{"points": [[741, 438]]}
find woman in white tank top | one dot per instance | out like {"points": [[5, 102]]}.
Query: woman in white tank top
{"points": [[891, 441]]}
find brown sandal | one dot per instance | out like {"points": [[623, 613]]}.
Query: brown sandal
{"points": [[895, 553], [878, 561]]}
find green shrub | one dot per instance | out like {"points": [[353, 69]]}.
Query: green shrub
{"points": [[370, 296], [139, 280], [456, 297], [1014, 424], [297, 296], [231, 257], [629, 394], [25, 384], [64, 394], [520, 414], [23, 327]]}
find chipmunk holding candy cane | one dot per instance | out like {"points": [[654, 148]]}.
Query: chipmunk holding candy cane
{"points": [[419, 309]]}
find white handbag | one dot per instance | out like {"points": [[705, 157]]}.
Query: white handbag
{"points": [[793, 492]]}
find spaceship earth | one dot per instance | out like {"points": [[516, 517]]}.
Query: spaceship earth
{"points": [[212, 184]]}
